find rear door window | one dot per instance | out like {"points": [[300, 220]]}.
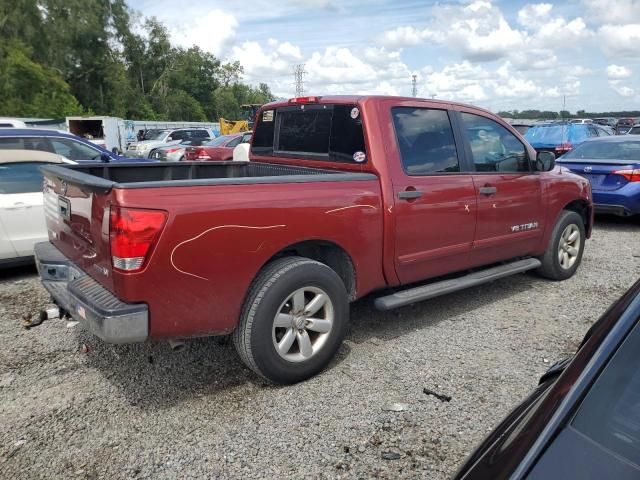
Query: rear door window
{"points": [[234, 143], [20, 178], [319, 132], [425, 139], [74, 150]]}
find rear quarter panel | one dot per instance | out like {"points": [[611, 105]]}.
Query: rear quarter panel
{"points": [[218, 237]]}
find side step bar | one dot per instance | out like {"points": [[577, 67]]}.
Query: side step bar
{"points": [[424, 292]]}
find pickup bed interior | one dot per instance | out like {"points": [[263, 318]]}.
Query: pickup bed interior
{"points": [[132, 175]]}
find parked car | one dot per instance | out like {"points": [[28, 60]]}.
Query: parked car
{"points": [[53, 141], [163, 138], [583, 420], [635, 130], [21, 208], [606, 121], [175, 153], [560, 138], [6, 122], [624, 125], [327, 211], [581, 120], [219, 149], [612, 165]]}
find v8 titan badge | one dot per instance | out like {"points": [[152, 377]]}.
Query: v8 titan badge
{"points": [[355, 112], [359, 157]]}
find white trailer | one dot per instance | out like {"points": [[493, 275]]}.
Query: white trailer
{"points": [[108, 132]]}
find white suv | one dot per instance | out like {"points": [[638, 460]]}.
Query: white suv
{"points": [[162, 138]]}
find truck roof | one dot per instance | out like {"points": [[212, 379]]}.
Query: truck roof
{"points": [[351, 99], [41, 132]]}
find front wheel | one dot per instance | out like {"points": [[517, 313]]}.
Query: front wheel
{"points": [[565, 249], [293, 321]]}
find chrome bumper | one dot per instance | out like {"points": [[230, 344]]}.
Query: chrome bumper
{"points": [[88, 302]]}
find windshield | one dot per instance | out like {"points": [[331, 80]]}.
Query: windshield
{"points": [[217, 142], [156, 134], [590, 151]]}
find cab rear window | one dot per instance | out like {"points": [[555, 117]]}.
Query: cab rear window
{"points": [[317, 132]]}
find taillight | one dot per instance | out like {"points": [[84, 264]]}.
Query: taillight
{"points": [[563, 148], [630, 175], [172, 150], [132, 233], [201, 154]]}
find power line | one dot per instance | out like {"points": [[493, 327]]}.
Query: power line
{"points": [[298, 75], [414, 86]]}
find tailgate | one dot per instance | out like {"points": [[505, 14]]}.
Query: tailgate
{"points": [[77, 218]]}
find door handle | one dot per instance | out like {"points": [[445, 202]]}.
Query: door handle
{"points": [[487, 190], [409, 194], [18, 205]]}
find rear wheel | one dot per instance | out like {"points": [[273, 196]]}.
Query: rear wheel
{"points": [[293, 321], [565, 249]]}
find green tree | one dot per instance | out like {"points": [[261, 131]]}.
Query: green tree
{"points": [[28, 89]]}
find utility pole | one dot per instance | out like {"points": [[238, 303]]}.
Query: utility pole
{"points": [[414, 86], [298, 75]]}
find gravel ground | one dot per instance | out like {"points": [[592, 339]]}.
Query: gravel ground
{"points": [[143, 411]]}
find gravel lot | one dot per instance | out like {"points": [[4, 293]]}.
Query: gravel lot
{"points": [[143, 411]]}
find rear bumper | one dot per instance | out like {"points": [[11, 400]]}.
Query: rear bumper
{"points": [[619, 210], [88, 302], [623, 201]]}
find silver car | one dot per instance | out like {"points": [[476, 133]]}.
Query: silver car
{"points": [[162, 138]]}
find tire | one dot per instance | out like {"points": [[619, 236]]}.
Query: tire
{"points": [[553, 267], [271, 304]]}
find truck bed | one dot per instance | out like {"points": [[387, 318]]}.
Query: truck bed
{"points": [[134, 175]]}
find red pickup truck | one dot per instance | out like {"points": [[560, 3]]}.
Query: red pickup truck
{"points": [[343, 196]]}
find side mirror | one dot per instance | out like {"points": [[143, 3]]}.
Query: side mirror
{"points": [[545, 161], [105, 157]]}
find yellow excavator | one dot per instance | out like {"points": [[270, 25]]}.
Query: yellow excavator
{"points": [[229, 127]]}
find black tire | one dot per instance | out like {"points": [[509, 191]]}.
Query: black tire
{"points": [[253, 337], [551, 267]]}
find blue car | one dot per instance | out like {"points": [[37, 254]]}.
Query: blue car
{"points": [[612, 165], [562, 137], [70, 146]]}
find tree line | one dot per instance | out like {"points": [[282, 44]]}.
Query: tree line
{"points": [[562, 114], [69, 57]]}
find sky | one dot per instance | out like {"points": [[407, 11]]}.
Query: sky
{"points": [[501, 55]]}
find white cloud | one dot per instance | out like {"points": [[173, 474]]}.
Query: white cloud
{"points": [[534, 14], [402, 37], [478, 31], [618, 12], [560, 32], [260, 64], [618, 71], [622, 90], [620, 40], [199, 32], [461, 82]]}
